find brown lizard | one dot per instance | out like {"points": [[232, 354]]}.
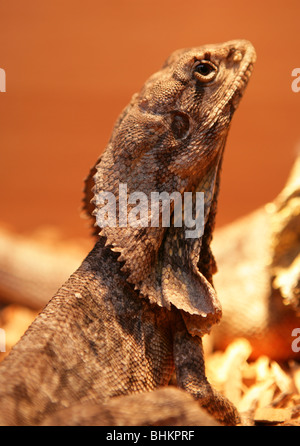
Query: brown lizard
{"points": [[137, 307]]}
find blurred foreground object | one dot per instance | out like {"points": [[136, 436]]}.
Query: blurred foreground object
{"points": [[263, 391], [258, 279], [32, 268]]}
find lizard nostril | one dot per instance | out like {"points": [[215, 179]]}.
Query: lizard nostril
{"points": [[235, 54], [237, 57]]}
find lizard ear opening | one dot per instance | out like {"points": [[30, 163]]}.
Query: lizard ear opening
{"points": [[180, 124]]}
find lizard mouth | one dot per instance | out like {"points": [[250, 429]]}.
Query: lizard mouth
{"points": [[240, 85]]}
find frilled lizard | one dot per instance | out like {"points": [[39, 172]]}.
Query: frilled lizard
{"points": [[137, 307]]}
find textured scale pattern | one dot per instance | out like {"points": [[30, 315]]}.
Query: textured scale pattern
{"points": [[137, 307]]}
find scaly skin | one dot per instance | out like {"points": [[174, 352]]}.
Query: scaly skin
{"points": [[141, 300]]}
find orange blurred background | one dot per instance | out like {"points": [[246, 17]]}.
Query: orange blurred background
{"points": [[72, 66]]}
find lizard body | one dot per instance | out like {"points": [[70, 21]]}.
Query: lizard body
{"points": [[137, 307], [32, 270]]}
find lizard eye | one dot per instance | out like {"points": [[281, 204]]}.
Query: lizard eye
{"points": [[205, 71]]}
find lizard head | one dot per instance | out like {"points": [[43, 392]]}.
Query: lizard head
{"points": [[170, 138], [187, 106]]}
